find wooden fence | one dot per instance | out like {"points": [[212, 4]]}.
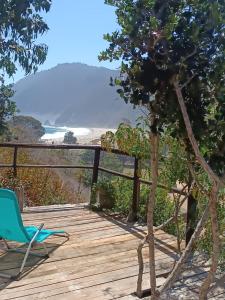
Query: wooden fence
{"points": [[137, 181]]}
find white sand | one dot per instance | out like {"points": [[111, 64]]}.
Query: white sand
{"points": [[94, 134]]}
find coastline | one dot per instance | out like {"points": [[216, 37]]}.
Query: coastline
{"points": [[92, 137]]}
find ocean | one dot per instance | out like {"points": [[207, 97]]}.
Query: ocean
{"points": [[54, 132]]}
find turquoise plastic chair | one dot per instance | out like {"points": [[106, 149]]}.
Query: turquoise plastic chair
{"points": [[12, 229]]}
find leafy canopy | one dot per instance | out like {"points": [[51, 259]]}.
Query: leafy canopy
{"points": [[20, 25], [69, 138], [7, 107], [163, 41]]}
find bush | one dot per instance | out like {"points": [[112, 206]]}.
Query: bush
{"points": [[69, 138]]}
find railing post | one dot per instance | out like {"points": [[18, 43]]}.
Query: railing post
{"points": [[15, 161], [191, 218], [132, 216], [95, 175]]}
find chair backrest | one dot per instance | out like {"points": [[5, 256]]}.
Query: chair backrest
{"points": [[11, 224]]}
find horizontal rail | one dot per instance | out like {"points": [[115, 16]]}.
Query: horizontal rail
{"points": [[48, 146], [137, 181], [116, 173], [144, 181], [6, 166], [63, 147], [55, 166], [76, 147], [47, 166]]}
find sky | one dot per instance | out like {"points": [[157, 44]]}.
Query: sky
{"points": [[76, 29]]}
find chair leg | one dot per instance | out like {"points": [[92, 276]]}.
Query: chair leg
{"points": [[27, 253], [16, 277], [25, 257]]}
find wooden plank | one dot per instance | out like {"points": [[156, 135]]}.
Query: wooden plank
{"points": [[98, 262], [63, 257]]}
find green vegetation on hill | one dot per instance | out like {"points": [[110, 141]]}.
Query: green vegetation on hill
{"points": [[69, 138], [26, 129]]}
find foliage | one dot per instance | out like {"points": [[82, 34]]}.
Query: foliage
{"points": [[132, 141], [20, 25], [162, 41], [42, 187], [69, 138], [205, 243], [25, 128], [8, 181], [7, 106], [103, 192], [107, 160], [173, 168], [120, 192]]}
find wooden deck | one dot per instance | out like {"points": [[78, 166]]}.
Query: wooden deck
{"points": [[99, 261]]}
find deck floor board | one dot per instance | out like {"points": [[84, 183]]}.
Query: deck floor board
{"points": [[99, 261]]}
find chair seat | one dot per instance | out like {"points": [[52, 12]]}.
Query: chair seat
{"points": [[43, 235]]}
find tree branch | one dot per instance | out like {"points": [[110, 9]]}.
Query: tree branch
{"points": [[179, 266], [199, 185], [191, 136], [190, 55], [154, 156], [188, 81], [216, 242], [141, 266], [163, 225]]}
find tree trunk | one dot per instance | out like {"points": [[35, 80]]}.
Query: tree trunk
{"points": [[178, 267], [216, 243], [154, 144], [141, 266], [217, 183], [191, 136]]}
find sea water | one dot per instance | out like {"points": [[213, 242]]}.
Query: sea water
{"points": [[54, 132]]}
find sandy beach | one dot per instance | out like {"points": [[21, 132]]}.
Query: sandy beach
{"points": [[92, 137], [95, 134]]}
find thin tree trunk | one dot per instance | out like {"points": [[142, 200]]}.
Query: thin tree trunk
{"points": [[216, 243], [179, 266], [141, 266], [191, 136], [177, 226], [154, 144], [217, 183]]}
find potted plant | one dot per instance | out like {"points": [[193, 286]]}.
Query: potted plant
{"points": [[105, 194]]}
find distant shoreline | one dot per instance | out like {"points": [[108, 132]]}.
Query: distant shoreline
{"points": [[83, 135]]}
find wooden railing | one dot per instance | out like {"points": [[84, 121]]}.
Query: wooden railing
{"points": [[137, 181]]}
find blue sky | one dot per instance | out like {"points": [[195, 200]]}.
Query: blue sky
{"points": [[76, 29]]}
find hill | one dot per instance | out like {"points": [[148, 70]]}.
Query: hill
{"points": [[73, 94]]}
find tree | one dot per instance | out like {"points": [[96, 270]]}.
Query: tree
{"points": [[69, 138], [7, 107], [26, 129], [20, 25], [173, 63]]}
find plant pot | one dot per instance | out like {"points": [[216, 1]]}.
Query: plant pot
{"points": [[104, 200]]}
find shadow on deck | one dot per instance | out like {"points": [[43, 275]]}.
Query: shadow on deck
{"points": [[99, 261]]}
